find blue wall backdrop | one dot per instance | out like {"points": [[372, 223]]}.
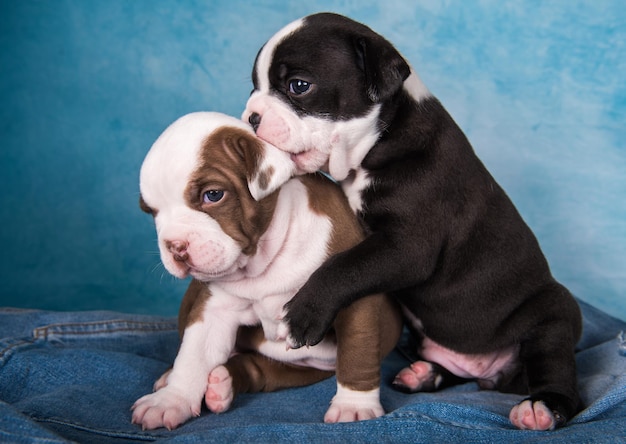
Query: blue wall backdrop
{"points": [[87, 86]]}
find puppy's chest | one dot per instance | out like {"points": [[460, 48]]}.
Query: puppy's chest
{"points": [[252, 307]]}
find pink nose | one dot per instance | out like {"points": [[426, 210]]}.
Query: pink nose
{"points": [[178, 249]]}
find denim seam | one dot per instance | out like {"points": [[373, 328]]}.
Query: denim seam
{"points": [[405, 415], [6, 351], [104, 327], [103, 432], [19, 437]]}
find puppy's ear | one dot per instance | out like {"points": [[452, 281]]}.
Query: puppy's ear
{"points": [[267, 167], [385, 69]]}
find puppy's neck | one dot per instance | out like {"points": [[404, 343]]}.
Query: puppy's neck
{"points": [[352, 140]]}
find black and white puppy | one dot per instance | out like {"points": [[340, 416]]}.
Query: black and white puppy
{"points": [[443, 237]]}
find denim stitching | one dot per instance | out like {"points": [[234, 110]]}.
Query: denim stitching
{"points": [[101, 327], [13, 344]]}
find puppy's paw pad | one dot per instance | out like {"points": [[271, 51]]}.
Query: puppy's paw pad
{"points": [[351, 413], [529, 415], [219, 394], [164, 408], [417, 377]]}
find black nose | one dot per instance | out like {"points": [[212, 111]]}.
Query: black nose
{"points": [[255, 120]]}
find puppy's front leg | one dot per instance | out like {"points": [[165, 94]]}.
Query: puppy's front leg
{"points": [[366, 331], [373, 266], [205, 345]]}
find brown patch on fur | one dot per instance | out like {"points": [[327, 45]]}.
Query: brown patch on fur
{"points": [[192, 305], [146, 208], [265, 177], [253, 373], [249, 339], [367, 330], [327, 198], [227, 159]]}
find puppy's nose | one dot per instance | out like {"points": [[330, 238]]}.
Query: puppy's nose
{"points": [[178, 249], [255, 121]]}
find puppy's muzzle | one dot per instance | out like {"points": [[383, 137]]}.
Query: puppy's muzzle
{"points": [[255, 121], [178, 250]]}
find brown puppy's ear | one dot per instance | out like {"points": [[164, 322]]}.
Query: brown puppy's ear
{"points": [[385, 69], [267, 167], [145, 207]]}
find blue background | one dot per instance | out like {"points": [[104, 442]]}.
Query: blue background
{"points": [[87, 86]]}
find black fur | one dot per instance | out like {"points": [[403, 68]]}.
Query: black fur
{"points": [[443, 237]]}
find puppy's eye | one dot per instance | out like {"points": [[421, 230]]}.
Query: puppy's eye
{"points": [[299, 87], [212, 196]]}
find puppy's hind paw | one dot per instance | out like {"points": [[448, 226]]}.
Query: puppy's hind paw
{"points": [[529, 415], [219, 394], [418, 377]]}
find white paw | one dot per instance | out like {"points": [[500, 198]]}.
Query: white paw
{"points": [[351, 405], [219, 394], [164, 408], [532, 416]]}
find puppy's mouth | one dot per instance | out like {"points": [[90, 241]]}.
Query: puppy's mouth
{"points": [[309, 161], [187, 268], [298, 159]]}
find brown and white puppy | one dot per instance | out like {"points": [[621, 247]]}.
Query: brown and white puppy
{"points": [[444, 238], [248, 258]]}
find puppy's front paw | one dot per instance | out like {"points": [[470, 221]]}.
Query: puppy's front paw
{"points": [[308, 322], [351, 405], [529, 415], [219, 394], [164, 408]]}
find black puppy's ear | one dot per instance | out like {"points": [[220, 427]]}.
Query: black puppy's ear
{"points": [[385, 69]]}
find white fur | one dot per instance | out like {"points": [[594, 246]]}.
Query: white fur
{"points": [[205, 345], [416, 88], [353, 405], [282, 169], [314, 142], [266, 55], [354, 186]]}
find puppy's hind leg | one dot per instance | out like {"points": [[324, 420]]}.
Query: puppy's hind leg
{"points": [[549, 363], [252, 373]]}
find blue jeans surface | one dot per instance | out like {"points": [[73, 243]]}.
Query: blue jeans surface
{"points": [[72, 377]]}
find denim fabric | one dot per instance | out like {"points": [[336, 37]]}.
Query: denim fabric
{"points": [[73, 376]]}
